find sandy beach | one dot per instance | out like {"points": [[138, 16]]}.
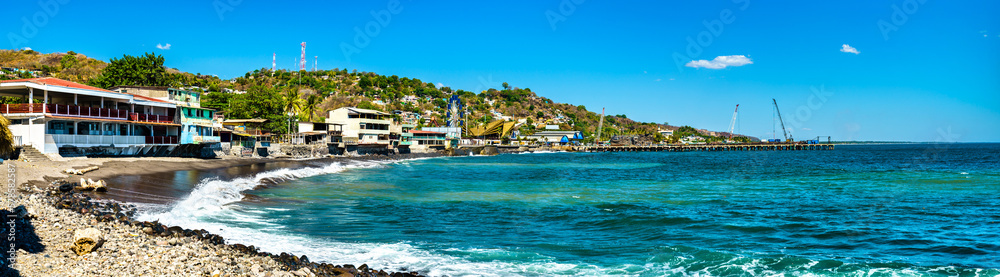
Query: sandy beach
{"points": [[47, 219]]}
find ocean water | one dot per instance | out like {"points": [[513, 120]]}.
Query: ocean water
{"points": [[864, 210]]}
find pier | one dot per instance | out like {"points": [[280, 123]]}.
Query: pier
{"points": [[706, 147]]}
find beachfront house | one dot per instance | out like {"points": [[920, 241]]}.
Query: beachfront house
{"points": [[196, 122], [319, 132], [556, 137], [400, 136], [52, 113], [429, 140], [364, 130]]}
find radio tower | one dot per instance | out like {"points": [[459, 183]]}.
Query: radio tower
{"points": [[315, 63], [302, 62]]}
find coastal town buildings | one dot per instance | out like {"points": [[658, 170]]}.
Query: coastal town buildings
{"points": [[56, 113], [666, 133], [363, 129], [429, 140], [196, 122], [320, 132], [555, 136]]}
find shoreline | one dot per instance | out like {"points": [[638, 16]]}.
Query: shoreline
{"points": [[53, 215]]}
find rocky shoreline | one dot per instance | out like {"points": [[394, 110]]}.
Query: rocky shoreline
{"points": [[46, 219]]}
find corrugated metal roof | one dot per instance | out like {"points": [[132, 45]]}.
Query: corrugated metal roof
{"points": [[57, 82]]}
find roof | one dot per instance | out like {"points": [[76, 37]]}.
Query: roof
{"points": [[360, 110], [63, 83], [144, 98], [141, 87], [255, 120], [322, 123], [313, 133], [57, 82], [425, 132]]}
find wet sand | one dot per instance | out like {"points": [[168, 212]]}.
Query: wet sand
{"points": [[165, 182]]}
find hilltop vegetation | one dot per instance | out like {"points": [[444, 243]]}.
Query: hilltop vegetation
{"points": [[69, 66], [270, 94]]}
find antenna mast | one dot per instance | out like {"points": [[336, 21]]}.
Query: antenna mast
{"points": [[302, 62]]}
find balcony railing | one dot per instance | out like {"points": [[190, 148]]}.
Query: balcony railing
{"points": [[77, 111], [151, 118], [161, 139], [96, 139]]}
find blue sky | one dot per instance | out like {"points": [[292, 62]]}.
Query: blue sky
{"points": [[928, 72]]}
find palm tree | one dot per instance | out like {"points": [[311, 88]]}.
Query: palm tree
{"points": [[311, 104], [293, 100], [6, 138]]}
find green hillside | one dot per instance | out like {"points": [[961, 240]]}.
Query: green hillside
{"points": [[271, 94]]}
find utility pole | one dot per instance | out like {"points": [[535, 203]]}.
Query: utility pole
{"points": [[600, 126]]}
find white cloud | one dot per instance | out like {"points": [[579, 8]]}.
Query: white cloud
{"points": [[671, 79], [440, 85], [27, 48], [163, 47], [848, 49], [720, 62], [658, 79]]}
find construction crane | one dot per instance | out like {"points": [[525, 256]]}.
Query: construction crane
{"points": [[732, 124], [783, 130]]}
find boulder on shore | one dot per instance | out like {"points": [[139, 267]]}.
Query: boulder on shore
{"points": [[88, 184], [86, 240], [80, 171]]}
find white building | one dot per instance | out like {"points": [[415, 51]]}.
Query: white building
{"points": [[556, 136], [364, 126], [667, 133], [77, 115]]}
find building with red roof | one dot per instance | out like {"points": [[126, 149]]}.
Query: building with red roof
{"points": [[55, 113]]}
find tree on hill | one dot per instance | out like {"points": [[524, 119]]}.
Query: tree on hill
{"points": [[147, 70], [260, 102]]}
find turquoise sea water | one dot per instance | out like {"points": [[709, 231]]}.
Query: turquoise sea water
{"points": [[882, 210]]}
